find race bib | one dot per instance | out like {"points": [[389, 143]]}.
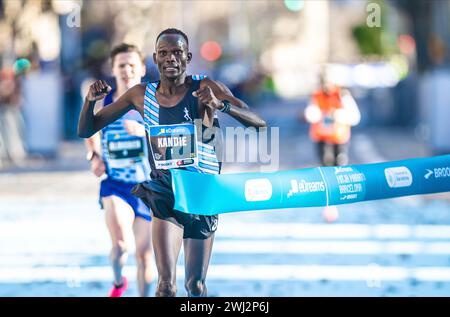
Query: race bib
{"points": [[125, 152], [126, 157], [173, 145]]}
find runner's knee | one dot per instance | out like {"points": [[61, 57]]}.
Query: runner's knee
{"points": [[143, 256], [119, 248]]}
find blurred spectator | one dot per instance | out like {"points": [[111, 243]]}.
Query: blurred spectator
{"points": [[12, 146], [331, 113]]}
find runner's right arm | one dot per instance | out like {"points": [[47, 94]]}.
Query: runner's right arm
{"points": [[90, 123], [93, 145], [134, 128], [94, 150]]}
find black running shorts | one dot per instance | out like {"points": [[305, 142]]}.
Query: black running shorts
{"points": [[158, 195]]}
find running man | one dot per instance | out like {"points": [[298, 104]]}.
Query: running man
{"points": [[177, 98], [120, 152]]}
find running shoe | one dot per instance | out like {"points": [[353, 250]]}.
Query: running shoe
{"points": [[118, 291]]}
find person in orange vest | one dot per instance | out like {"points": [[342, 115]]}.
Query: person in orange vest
{"points": [[331, 113]]}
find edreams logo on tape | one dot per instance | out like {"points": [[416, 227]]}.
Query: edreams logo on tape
{"points": [[397, 177], [259, 189], [304, 187]]}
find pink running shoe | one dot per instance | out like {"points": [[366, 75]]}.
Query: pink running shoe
{"points": [[118, 291]]}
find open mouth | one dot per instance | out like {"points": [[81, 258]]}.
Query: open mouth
{"points": [[171, 69]]}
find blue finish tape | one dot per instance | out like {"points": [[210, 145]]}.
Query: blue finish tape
{"points": [[207, 194]]}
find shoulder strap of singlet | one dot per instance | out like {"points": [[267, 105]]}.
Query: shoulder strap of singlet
{"points": [[151, 106]]}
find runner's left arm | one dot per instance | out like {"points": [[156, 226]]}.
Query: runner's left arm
{"points": [[211, 94]]}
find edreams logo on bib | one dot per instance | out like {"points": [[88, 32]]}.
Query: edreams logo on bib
{"points": [[180, 130], [397, 177], [259, 189]]}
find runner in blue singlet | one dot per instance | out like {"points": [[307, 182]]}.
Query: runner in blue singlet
{"points": [[170, 109], [119, 152]]}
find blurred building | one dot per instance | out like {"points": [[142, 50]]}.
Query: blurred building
{"points": [[267, 49]]}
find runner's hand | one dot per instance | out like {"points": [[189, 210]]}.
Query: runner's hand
{"points": [[98, 90], [134, 128], [97, 166], [207, 97]]}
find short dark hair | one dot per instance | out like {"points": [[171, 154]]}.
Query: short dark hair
{"points": [[124, 48], [173, 31]]}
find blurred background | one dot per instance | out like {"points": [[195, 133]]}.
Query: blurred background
{"points": [[392, 55]]}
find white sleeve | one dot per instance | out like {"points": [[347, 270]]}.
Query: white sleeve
{"points": [[349, 114], [313, 113]]}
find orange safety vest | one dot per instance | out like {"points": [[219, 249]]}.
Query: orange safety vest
{"points": [[327, 130]]}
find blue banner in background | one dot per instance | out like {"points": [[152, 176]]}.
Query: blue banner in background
{"points": [[206, 194]]}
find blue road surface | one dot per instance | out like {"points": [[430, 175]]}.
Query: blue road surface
{"points": [[53, 240]]}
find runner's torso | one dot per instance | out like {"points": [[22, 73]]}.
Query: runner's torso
{"points": [[125, 156], [168, 147]]}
